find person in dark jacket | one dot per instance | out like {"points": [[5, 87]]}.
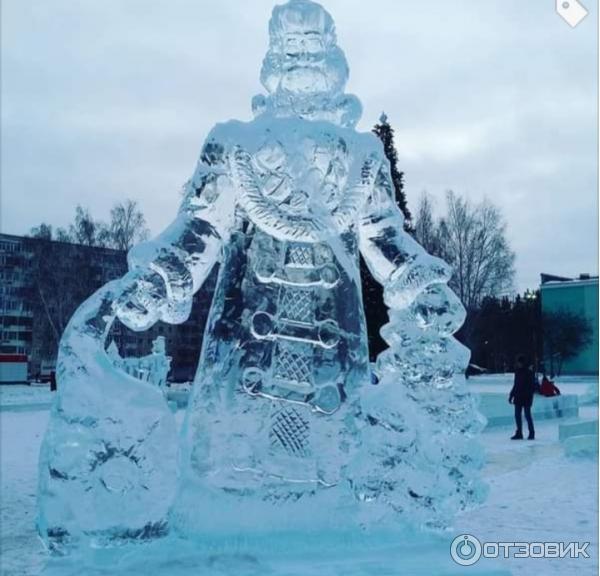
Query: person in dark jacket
{"points": [[521, 396]]}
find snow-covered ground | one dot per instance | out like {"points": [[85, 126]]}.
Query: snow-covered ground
{"points": [[536, 494], [21, 397]]}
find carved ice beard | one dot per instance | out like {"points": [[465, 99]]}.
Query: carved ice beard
{"points": [[304, 78]]}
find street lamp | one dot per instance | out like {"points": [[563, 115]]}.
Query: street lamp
{"points": [[530, 295]]}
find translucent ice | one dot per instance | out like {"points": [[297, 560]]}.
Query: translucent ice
{"points": [[283, 424], [151, 368], [108, 458]]}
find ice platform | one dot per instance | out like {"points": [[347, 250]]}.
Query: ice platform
{"points": [[583, 446], [583, 427], [423, 555], [497, 410]]}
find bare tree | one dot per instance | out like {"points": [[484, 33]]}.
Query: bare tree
{"points": [[43, 231], [565, 335], [62, 235], [472, 239], [127, 225], [87, 231], [426, 230]]}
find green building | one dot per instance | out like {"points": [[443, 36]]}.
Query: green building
{"points": [[578, 296]]}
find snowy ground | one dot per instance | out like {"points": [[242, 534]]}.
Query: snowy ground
{"points": [[536, 494]]}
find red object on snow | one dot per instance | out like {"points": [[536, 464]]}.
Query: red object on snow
{"points": [[548, 388]]}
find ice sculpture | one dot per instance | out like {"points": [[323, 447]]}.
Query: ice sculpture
{"points": [[283, 423], [151, 368], [106, 469]]}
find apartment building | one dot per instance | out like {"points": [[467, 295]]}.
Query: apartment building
{"points": [[42, 283]]}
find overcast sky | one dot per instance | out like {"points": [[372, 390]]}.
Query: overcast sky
{"points": [[105, 100]]}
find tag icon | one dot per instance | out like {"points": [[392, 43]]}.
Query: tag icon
{"points": [[571, 11]]}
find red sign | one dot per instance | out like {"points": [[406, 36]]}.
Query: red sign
{"points": [[13, 358]]}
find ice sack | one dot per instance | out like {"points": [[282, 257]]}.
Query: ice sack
{"points": [[284, 430]]}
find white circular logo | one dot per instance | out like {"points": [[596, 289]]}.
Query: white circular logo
{"points": [[465, 550]]}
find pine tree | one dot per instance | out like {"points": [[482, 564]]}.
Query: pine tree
{"points": [[375, 309], [385, 133]]}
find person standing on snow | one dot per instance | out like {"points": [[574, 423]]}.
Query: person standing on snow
{"points": [[521, 395]]}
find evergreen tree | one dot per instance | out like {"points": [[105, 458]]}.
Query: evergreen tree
{"points": [[375, 309], [385, 133], [498, 330]]}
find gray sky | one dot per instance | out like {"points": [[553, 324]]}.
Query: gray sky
{"points": [[109, 100]]}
